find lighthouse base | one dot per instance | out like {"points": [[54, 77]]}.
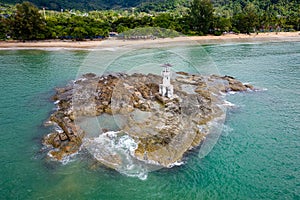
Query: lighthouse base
{"points": [[166, 91]]}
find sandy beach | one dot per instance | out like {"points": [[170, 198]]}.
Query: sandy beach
{"points": [[108, 43]]}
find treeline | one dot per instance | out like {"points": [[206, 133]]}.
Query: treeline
{"points": [[200, 17], [267, 15]]}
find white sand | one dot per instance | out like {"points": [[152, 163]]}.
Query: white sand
{"points": [[228, 38]]}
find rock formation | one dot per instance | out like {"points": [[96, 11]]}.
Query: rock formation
{"points": [[162, 128]]}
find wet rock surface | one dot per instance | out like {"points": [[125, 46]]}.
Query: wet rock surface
{"points": [[158, 130]]}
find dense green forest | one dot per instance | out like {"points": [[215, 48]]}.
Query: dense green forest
{"points": [[153, 5], [25, 21]]}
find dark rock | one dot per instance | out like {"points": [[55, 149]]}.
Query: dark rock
{"points": [[183, 73]]}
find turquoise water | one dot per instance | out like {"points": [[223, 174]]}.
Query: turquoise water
{"points": [[256, 157]]}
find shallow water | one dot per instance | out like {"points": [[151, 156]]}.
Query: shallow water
{"points": [[256, 157]]}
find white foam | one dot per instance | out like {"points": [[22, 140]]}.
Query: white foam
{"points": [[58, 129], [222, 94], [127, 144], [120, 144], [177, 163], [246, 83], [261, 89], [142, 175], [150, 162], [115, 142], [65, 160], [69, 158], [228, 104], [231, 92], [49, 123]]}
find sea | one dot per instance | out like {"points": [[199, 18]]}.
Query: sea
{"points": [[255, 155]]}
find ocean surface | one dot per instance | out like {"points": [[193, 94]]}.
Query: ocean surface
{"points": [[256, 155]]}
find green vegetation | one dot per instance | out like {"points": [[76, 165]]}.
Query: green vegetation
{"points": [[202, 17], [27, 23], [198, 17]]}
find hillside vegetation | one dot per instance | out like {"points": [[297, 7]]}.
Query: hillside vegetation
{"points": [[199, 17]]}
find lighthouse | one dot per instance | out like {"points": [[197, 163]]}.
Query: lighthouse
{"points": [[166, 89]]}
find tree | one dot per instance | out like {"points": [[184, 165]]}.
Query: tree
{"points": [[201, 14], [247, 21], [221, 24], [164, 20], [27, 23], [3, 28]]}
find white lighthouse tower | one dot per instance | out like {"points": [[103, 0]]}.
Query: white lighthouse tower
{"points": [[166, 89]]}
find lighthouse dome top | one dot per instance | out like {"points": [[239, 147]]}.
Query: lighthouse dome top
{"points": [[167, 65]]}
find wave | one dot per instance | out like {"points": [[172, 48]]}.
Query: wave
{"points": [[69, 158], [232, 92], [228, 104], [66, 159], [177, 163], [261, 89], [116, 149]]}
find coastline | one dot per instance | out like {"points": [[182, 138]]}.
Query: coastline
{"points": [[108, 43]]}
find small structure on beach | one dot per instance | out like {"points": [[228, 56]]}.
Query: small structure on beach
{"points": [[166, 89], [113, 34]]}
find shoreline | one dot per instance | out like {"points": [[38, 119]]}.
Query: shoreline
{"points": [[185, 40]]}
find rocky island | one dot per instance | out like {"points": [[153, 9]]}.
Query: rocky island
{"points": [[149, 126]]}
